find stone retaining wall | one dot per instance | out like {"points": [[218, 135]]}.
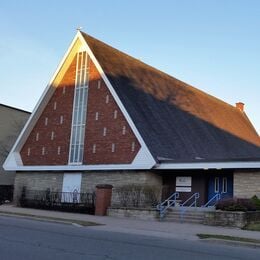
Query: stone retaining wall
{"points": [[231, 218], [135, 213]]}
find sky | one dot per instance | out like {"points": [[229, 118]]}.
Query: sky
{"points": [[212, 45]]}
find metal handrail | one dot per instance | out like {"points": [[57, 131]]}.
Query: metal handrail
{"points": [[171, 201], [216, 197], [195, 196]]}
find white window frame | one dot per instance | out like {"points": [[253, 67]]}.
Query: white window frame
{"points": [[216, 184], [78, 124], [224, 185]]}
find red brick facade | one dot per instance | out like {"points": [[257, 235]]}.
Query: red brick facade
{"points": [[52, 154], [117, 131], [108, 137]]}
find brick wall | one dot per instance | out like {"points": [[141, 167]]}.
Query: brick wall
{"points": [[108, 137], [246, 184], [60, 105], [106, 126]]}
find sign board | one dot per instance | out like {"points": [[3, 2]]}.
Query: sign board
{"points": [[183, 189], [71, 187], [183, 181]]}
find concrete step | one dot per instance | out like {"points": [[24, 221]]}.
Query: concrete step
{"points": [[183, 215]]}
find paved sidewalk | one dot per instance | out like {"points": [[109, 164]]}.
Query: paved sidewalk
{"points": [[150, 228]]}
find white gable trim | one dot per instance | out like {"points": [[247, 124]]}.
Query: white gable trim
{"points": [[13, 162], [208, 165]]}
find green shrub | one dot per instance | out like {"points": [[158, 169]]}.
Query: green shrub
{"points": [[256, 202], [236, 204]]}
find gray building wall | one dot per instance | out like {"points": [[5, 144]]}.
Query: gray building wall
{"points": [[12, 121], [247, 183]]}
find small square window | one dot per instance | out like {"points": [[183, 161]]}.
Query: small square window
{"points": [[96, 116], [104, 131], [124, 130], [107, 99], [133, 147], [99, 84], [113, 147], [61, 120], [115, 114], [94, 148]]}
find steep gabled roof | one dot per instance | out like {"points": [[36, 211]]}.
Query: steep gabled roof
{"points": [[177, 121]]}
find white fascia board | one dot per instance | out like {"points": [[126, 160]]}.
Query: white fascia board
{"points": [[12, 158], [72, 168], [208, 165], [144, 157]]}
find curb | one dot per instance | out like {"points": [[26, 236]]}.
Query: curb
{"points": [[78, 223]]}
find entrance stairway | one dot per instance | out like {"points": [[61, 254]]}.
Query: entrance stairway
{"points": [[186, 214]]}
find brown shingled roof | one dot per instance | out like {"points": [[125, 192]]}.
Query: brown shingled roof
{"points": [[176, 120]]}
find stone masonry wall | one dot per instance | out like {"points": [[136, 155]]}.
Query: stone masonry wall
{"points": [[37, 181], [246, 184], [54, 180]]}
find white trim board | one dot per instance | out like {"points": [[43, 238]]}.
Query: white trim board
{"points": [[208, 165]]}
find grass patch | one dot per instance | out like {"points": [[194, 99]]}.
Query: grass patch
{"points": [[229, 238], [253, 227]]}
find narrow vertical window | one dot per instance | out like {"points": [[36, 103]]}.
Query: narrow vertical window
{"points": [[46, 121], [133, 147], [115, 114], [58, 151], [37, 137], [99, 84], [224, 185], [78, 124], [104, 131], [55, 105], [124, 130], [52, 135], [113, 147], [64, 90], [94, 148], [61, 120], [43, 150], [107, 99], [28, 151], [96, 116], [216, 185]]}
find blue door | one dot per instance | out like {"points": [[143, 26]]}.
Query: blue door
{"points": [[222, 185]]}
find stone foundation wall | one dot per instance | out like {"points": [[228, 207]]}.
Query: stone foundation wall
{"points": [[246, 184], [231, 218], [37, 181], [140, 213], [54, 180]]}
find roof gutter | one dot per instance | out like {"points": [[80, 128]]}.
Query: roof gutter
{"points": [[208, 165]]}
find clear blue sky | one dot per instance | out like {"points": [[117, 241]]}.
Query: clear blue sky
{"points": [[212, 45]]}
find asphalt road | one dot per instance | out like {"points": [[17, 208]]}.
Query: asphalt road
{"points": [[28, 239]]}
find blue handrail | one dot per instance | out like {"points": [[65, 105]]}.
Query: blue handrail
{"points": [[169, 202], [195, 196], [215, 198]]}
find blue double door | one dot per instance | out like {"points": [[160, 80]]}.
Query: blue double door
{"points": [[222, 185]]}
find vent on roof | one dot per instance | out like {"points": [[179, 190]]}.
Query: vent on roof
{"points": [[240, 106]]}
